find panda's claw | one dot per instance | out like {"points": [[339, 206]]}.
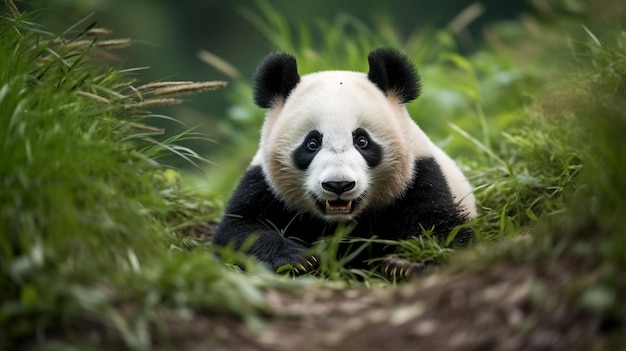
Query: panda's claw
{"points": [[393, 271], [402, 272], [304, 265], [394, 267]]}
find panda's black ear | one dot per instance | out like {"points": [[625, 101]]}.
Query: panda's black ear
{"points": [[276, 76], [394, 74]]}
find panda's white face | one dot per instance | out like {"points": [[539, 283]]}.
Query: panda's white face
{"points": [[338, 163], [338, 146]]}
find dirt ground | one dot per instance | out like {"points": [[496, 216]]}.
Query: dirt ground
{"points": [[507, 307]]}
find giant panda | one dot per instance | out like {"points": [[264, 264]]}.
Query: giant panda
{"points": [[339, 147]]}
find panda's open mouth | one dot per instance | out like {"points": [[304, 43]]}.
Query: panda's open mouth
{"points": [[338, 206]]}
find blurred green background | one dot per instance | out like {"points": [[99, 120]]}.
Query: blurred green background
{"points": [[171, 32], [169, 35]]}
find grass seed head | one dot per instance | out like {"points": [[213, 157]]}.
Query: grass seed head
{"points": [[158, 85], [190, 88], [157, 102], [99, 32], [115, 43]]}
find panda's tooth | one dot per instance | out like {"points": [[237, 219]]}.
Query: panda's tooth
{"points": [[339, 206]]}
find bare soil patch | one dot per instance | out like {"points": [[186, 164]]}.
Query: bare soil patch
{"points": [[507, 307]]}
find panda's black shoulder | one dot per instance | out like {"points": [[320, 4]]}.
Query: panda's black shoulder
{"points": [[428, 204], [253, 189]]}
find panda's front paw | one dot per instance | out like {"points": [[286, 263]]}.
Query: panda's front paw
{"points": [[291, 257], [305, 264], [394, 267]]}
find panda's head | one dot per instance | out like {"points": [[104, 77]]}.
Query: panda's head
{"points": [[336, 143]]}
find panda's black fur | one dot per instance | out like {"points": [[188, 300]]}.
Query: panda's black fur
{"points": [[257, 209], [394, 73], [275, 78]]}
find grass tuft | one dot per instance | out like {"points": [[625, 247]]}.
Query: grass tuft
{"points": [[95, 229]]}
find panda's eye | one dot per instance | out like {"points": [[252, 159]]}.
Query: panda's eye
{"points": [[313, 144], [361, 142]]}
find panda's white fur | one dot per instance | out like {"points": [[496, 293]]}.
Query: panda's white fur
{"points": [[336, 103], [340, 147]]}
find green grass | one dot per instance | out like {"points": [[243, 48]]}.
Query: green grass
{"points": [[97, 231], [91, 220]]}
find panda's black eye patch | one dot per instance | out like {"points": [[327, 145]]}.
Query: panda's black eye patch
{"points": [[371, 151], [304, 154]]}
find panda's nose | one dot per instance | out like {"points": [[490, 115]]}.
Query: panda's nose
{"points": [[338, 187]]}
